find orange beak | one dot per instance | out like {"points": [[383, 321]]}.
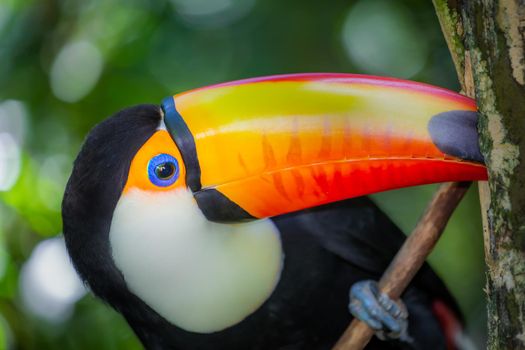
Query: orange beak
{"points": [[268, 146]]}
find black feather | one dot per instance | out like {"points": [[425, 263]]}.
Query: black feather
{"points": [[98, 177]]}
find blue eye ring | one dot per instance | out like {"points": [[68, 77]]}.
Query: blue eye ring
{"points": [[163, 170]]}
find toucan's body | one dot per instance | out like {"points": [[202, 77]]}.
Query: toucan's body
{"points": [[326, 251], [208, 223]]}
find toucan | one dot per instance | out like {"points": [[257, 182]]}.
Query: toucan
{"points": [[233, 216]]}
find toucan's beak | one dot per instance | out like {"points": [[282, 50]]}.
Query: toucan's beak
{"points": [[270, 146]]}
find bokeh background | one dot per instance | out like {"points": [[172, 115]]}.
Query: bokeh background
{"points": [[66, 65]]}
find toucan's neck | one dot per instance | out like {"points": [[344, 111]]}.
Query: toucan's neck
{"points": [[199, 275]]}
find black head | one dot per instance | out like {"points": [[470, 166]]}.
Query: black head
{"points": [[92, 192], [96, 183]]}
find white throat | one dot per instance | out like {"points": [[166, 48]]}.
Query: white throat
{"points": [[199, 275]]}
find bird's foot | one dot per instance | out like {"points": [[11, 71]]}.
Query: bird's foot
{"points": [[387, 317]]}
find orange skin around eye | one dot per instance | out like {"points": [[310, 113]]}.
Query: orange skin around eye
{"points": [[160, 142]]}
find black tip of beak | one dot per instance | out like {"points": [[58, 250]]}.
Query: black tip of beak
{"points": [[455, 133]]}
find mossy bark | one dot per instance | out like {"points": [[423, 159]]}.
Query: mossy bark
{"points": [[487, 42]]}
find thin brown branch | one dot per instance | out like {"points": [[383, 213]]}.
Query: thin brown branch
{"points": [[410, 257]]}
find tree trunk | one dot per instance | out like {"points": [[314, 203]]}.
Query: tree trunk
{"points": [[486, 40]]}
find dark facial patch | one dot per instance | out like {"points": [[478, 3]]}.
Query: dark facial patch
{"points": [[455, 133]]}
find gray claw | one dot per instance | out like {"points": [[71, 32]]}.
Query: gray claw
{"points": [[387, 317]]}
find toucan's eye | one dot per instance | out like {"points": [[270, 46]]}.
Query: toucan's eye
{"points": [[163, 170]]}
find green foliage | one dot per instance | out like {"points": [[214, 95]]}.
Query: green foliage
{"points": [[71, 63]]}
